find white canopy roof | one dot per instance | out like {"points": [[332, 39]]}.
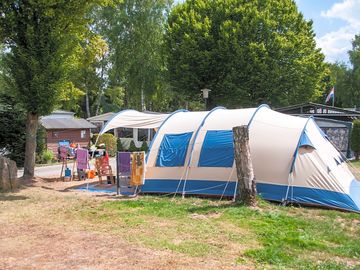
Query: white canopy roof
{"points": [[134, 119]]}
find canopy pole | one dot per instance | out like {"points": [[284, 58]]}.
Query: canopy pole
{"points": [[97, 140]]}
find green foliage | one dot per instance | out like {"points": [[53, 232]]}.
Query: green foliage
{"points": [[144, 147], [110, 142], [114, 98], [246, 52], [12, 126], [132, 147], [91, 72], [347, 79], [70, 97], [41, 37], [355, 138], [46, 156], [340, 79], [134, 32], [119, 145], [41, 140]]}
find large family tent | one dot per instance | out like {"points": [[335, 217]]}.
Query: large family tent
{"points": [[293, 161]]}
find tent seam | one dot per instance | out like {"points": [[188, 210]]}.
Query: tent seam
{"points": [[193, 145]]}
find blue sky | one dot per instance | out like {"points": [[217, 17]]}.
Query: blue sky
{"points": [[335, 23]]}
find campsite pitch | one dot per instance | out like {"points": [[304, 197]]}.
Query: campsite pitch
{"points": [[48, 226]]}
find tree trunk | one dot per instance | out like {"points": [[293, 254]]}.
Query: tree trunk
{"points": [[98, 102], [87, 104], [246, 188], [143, 107], [30, 145], [101, 90], [8, 175]]}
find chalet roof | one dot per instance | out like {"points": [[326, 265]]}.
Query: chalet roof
{"points": [[65, 123], [102, 117], [62, 112], [59, 114], [319, 110]]}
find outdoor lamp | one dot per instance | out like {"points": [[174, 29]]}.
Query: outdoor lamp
{"points": [[205, 92]]}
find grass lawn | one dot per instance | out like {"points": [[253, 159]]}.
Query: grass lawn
{"points": [[47, 227], [268, 236], [355, 163]]}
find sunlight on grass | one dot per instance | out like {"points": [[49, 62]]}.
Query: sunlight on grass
{"points": [[285, 237]]}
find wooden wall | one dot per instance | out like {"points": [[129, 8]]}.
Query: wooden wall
{"points": [[74, 135]]}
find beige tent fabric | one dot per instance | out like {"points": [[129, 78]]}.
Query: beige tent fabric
{"points": [[135, 119]]}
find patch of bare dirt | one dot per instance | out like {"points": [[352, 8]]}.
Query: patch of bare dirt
{"points": [[30, 239]]}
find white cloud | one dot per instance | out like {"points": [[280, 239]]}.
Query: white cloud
{"points": [[336, 44], [348, 10]]}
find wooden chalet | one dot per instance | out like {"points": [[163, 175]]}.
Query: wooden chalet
{"points": [[62, 125], [335, 122]]}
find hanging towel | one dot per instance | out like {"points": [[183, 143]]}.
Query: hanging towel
{"points": [[138, 169], [124, 163], [82, 156]]}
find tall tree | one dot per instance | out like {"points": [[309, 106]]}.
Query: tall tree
{"points": [[41, 36], [90, 74], [347, 78], [134, 31], [339, 77], [354, 56], [246, 52], [12, 120]]}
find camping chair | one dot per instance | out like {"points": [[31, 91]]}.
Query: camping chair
{"points": [[104, 169]]}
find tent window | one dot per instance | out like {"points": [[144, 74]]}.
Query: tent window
{"points": [[173, 148], [217, 149]]}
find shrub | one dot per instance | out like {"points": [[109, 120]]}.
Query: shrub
{"points": [[144, 147], [47, 156], [132, 147], [119, 145], [12, 126], [110, 142], [40, 140], [355, 138]]}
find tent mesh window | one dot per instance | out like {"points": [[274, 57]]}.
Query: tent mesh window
{"points": [[217, 149], [173, 149]]}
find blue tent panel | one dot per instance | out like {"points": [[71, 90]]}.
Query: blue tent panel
{"points": [[173, 148], [313, 196], [305, 141], [217, 149], [198, 187], [306, 195]]}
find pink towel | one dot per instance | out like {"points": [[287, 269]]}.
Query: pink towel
{"points": [[82, 156]]}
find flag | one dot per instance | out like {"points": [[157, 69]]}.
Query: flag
{"points": [[331, 95]]}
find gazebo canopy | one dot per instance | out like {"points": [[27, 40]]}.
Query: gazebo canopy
{"points": [[134, 119]]}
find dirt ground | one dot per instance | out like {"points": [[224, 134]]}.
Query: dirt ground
{"points": [[33, 235]]}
